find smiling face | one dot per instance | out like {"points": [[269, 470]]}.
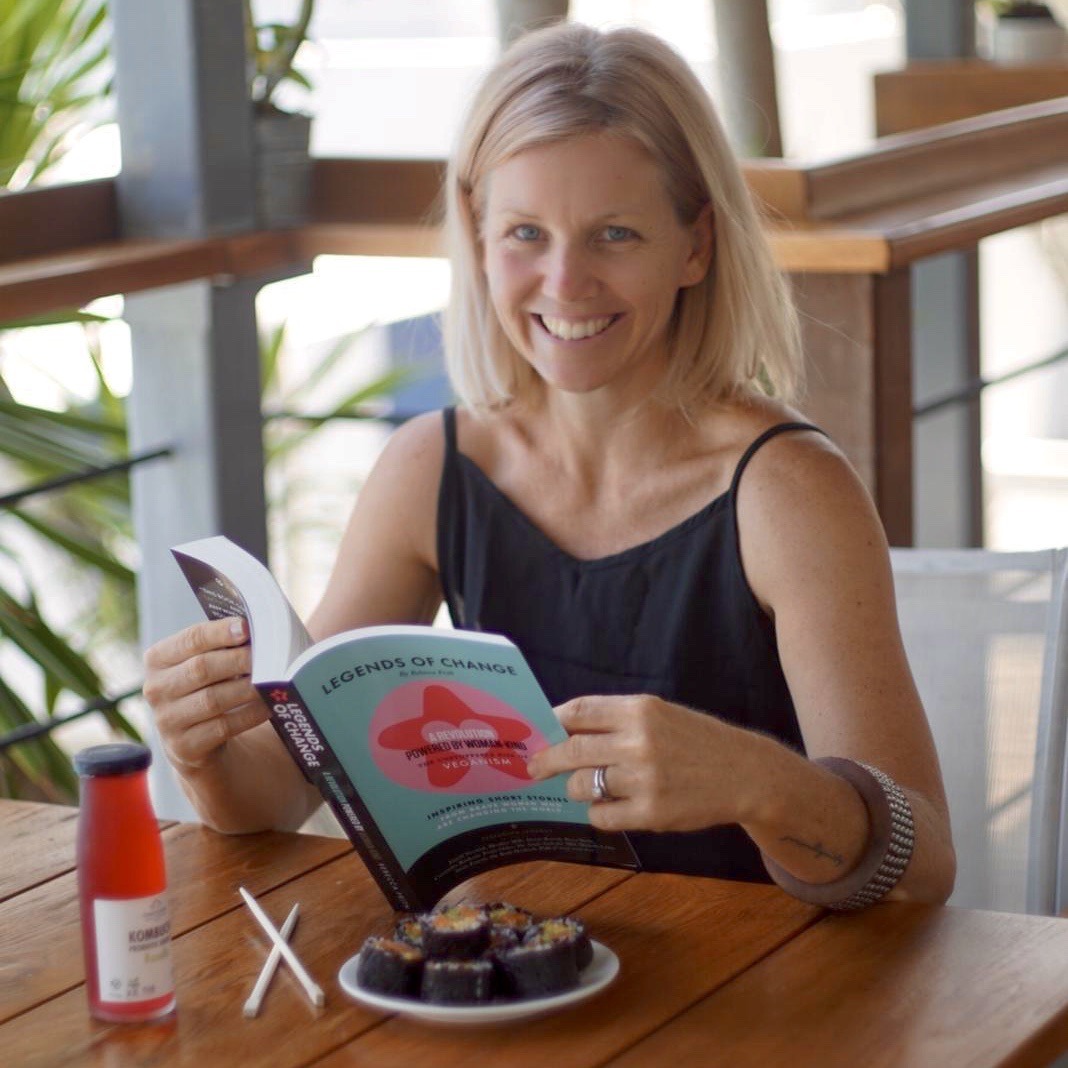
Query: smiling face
{"points": [[584, 257]]}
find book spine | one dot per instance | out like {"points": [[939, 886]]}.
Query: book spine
{"points": [[300, 734]]}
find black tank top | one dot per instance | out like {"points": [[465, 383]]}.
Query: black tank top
{"points": [[674, 617]]}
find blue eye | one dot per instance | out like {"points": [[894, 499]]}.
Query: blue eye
{"points": [[618, 233], [526, 232]]}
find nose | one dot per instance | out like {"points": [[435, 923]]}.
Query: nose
{"points": [[569, 273]]}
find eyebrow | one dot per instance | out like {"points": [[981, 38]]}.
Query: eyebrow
{"points": [[621, 213]]}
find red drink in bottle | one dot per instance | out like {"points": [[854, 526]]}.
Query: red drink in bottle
{"points": [[122, 887]]}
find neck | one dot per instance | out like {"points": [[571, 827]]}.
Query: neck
{"points": [[594, 438]]}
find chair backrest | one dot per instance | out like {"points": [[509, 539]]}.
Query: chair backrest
{"points": [[987, 639]]}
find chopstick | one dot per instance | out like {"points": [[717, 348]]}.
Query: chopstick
{"points": [[311, 988], [255, 999]]}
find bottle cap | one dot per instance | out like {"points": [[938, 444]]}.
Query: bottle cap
{"points": [[117, 758]]}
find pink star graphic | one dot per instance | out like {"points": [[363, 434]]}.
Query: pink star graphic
{"points": [[446, 768]]}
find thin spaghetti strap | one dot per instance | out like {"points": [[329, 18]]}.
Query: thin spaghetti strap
{"points": [[449, 415], [771, 432]]}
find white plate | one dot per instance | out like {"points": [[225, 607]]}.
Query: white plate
{"points": [[594, 977]]}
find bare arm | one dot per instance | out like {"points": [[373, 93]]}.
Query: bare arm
{"points": [[214, 727], [816, 557]]}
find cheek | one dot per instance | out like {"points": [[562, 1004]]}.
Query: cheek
{"points": [[507, 277]]}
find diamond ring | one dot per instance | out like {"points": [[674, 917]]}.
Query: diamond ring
{"points": [[600, 787]]}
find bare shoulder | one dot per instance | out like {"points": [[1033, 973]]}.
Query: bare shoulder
{"points": [[386, 565], [801, 473], [805, 517], [416, 446], [399, 499]]}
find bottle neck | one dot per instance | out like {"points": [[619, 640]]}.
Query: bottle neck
{"points": [[115, 796]]}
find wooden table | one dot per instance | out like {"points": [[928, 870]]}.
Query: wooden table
{"points": [[712, 972]]}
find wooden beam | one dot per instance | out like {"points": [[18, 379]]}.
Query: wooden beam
{"points": [[956, 156], [379, 191], [933, 92], [51, 219]]}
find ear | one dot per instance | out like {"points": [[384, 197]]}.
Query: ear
{"points": [[703, 236]]}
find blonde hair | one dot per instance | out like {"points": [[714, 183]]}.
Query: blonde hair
{"points": [[736, 331]]}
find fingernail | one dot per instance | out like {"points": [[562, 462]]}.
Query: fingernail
{"points": [[237, 628]]}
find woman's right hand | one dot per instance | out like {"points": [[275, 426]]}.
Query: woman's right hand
{"points": [[197, 682]]}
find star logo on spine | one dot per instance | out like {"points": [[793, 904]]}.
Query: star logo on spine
{"points": [[462, 732], [279, 695]]}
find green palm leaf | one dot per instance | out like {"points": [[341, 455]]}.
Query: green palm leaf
{"points": [[54, 77]]}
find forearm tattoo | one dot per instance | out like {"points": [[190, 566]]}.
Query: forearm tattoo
{"points": [[817, 848]]}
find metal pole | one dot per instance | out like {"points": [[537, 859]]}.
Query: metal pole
{"points": [[747, 76], [188, 170]]}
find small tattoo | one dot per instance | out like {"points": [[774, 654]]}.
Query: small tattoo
{"points": [[816, 847]]}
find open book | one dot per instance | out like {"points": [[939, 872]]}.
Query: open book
{"points": [[417, 737]]}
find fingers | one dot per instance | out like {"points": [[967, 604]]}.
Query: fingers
{"points": [[585, 714], [191, 642], [579, 751], [602, 730], [197, 684], [193, 746]]}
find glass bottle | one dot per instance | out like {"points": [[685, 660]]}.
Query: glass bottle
{"points": [[122, 887]]}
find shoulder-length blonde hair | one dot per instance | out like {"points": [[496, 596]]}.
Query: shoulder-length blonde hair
{"points": [[734, 332]]}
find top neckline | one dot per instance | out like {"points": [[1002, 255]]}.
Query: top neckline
{"points": [[680, 529]]}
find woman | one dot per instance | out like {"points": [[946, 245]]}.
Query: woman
{"points": [[695, 574]]}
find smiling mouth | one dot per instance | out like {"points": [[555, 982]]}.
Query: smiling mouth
{"points": [[575, 329]]}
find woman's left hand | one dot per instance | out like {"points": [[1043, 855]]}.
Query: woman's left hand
{"points": [[667, 768]]}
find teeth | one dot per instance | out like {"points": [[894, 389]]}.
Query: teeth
{"points": [[568, 330]]}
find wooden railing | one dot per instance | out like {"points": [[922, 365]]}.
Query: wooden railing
{"points": [[848, 230]]}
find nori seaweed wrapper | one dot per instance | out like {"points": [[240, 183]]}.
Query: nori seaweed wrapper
{"points": [[535, 969], [501, 940], [457, 982], [460, 932], [567, 931], [390, 966]]}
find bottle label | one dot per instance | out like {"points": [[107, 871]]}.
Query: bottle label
{"points": [[133, 948]]}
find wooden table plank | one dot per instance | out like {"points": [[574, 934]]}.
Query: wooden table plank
{"points": [[39, 843], [217, 963], [907, 986], [677, 940], [204, 869]]}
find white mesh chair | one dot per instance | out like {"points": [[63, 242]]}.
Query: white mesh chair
{"points": [[987, 638]]}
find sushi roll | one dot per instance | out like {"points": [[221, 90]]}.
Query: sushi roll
{"points": [[457, 982], [409, 929], [501, 940], [459, 931], [389, 966], [566, 931], [538, 968], [510, 917]]}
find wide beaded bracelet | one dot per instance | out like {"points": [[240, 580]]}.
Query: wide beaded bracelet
{"points": [[889, 847]]}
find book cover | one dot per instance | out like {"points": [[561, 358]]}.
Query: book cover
{"points": [[417, 737]]}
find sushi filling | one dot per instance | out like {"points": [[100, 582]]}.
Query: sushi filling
{"points": [[461, 931], [562, 930]]}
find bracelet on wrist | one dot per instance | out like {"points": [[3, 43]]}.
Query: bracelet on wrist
{"points": [[891, 840]]}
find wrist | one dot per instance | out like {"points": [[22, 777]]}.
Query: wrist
{"points": [[889, 847], [770, 803]]}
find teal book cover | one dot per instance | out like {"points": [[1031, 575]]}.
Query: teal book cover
{"points": [[417, 737]]}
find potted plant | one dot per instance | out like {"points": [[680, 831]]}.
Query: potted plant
{"points": [[282, 137], [1023, 31]]}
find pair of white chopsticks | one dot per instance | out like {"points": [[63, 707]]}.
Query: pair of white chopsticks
{"points": [[281, 948]]}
